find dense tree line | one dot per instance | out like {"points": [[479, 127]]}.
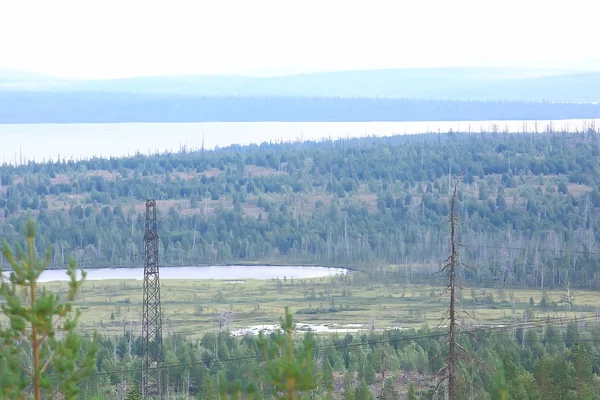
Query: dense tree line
{"points": [[530, 359], [543, 361], [528, 205], [54, 107]]}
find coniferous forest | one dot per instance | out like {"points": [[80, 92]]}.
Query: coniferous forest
{"points": [[527, 216], [527, 205]]}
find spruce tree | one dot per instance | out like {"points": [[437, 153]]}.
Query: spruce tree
{"points": [[133, 394], [41, 326]]}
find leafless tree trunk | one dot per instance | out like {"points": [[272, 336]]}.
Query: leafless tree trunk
{"points": [[188, 384], [448, 372], [569, 297], [122, 390], [452, 329]]}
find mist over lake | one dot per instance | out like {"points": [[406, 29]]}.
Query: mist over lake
{"points": [[42, 142]]}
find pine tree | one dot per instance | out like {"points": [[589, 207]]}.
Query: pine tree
{"points": [[412, 393], [349, 393], [583, 368], [42, 323], [291, 375], [389, 391], [363, 392], [499, 389], [210, 390], [327, 374], [237, 389]]}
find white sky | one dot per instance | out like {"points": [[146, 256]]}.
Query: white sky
{"points": [[108, 38]]}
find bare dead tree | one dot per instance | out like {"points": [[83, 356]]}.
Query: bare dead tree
{"points": [[452, 310], [188, 381], [569, 297], [224, 319], [121, 390], [448, 372]]}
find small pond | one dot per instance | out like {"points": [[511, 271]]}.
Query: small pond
{"points": [[237, 272]]}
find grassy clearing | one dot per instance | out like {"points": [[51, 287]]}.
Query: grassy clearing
{"points": [[190, 307]]}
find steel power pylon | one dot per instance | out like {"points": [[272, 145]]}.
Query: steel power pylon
{"points": [[151, 318]]}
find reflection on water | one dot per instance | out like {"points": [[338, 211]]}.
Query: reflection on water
{"points": [[221, 272]]}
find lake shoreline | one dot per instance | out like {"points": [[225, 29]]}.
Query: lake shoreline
{"points": [[235, 264], [221, 273], [83, 141]]}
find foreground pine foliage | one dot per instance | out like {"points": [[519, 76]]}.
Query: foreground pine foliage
{"points": [[40, 350]]}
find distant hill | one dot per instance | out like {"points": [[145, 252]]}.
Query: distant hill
{"points": [[418, 94], [507, 84], [53, 107], [371, 200]]}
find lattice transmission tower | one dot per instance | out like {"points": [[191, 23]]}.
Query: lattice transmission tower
{"points": [[151, 318]]}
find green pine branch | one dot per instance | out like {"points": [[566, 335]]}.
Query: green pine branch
{"points": [[41, 324], [288, 369]]}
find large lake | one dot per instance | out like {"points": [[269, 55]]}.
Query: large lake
{"points": [[21, 142], [198, 273]]}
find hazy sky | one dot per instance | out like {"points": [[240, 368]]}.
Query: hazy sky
{"points": [[105, 39]]}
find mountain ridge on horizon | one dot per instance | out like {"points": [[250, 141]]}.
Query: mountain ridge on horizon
{"points": [[443, 83]]}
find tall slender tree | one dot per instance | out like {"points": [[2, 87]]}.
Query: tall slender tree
{"points": [[291, 373], [42, 324], [448, 372]]}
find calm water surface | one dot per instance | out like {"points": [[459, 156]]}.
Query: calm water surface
{"points": [[198, 273], [21, 142]]}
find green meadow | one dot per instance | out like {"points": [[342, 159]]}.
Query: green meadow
{"points": [[326, 305]]}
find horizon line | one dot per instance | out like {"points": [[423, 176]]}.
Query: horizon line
{"points": [[264, 75]]}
